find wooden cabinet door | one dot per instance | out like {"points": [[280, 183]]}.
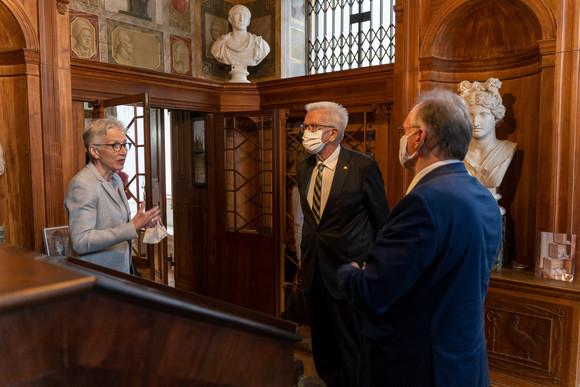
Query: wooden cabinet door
{"points": [[247, 150]]}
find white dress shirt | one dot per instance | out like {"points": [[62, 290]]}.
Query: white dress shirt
{"points": [[425, 171], [327, 177]]}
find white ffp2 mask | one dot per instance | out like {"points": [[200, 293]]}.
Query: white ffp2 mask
{"points": [[312, 141]]}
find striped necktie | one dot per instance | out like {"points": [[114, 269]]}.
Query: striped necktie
{"points": [[317, 191]]}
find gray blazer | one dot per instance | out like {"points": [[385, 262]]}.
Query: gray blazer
{"points": [[99, 219]]}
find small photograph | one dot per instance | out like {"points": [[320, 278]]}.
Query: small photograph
{"points": [[556, 256], [57, 242]]}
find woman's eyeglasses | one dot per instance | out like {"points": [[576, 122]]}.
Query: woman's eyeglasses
{"points": [[117, 146]]}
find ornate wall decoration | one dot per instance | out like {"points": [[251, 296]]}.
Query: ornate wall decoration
{"points": [[131, 47], [180, 55], [525, 338], [180, 15], [84, 33], [136, 35]]}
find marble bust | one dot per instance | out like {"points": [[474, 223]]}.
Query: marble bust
{"points": [[487, 157], [240, 48]]}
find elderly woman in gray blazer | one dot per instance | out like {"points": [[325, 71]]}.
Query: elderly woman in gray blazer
{"points": [[97, 209]]}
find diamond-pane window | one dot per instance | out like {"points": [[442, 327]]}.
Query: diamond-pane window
{"points": [[346, 34]]}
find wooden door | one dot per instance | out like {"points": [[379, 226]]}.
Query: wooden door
{"points": [[157, 182], [144, 166], [191, 204], [247, 222]]}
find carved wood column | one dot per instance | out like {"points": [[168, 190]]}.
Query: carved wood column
{"points": [[547, 135], [406, 89], [566, 139], [58, 134]]}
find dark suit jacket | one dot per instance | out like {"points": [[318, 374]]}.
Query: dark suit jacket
{"points": [[425, 282], [354, 213]]}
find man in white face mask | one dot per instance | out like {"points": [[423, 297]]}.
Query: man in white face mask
{"points": [[344, 203], [424, 283]]}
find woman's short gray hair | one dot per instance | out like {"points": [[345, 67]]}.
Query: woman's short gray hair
{"points": [[96, 130], [336, 114]]}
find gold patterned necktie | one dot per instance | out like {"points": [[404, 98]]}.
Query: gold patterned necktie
{"points": [[317, 191]]}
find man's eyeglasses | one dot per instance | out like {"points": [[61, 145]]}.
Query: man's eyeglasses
{"points": [[116, 146], [314, 127], [403, 129]]}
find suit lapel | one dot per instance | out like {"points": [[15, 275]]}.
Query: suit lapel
{"points": [[122, 196], [109, 189]]}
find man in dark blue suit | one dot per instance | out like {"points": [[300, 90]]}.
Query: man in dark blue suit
{"points": [[425, 281], [342, 216]]}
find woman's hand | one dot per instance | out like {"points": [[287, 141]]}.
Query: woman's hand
{"points": [[146, 219]]}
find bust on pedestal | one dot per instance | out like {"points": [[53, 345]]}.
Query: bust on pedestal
{"points": [[240, 48], [487, 157]]}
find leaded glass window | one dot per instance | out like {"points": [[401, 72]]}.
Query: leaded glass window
{"points": [[347, 34]]}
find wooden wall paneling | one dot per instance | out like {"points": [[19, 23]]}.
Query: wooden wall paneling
{"points": [[34, 121], [406, 88], [211, 270], [22, 187], [235, 97], [521, 96], [78, 126], [158, 251], [381, 128], [15, 184], [192, 209], [182, 170], [547, 152], [19, 24], [567, 119], [93, 80], [56, 108], [361, 87]]}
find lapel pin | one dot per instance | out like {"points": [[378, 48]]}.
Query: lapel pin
{"points": [[345, 167]]}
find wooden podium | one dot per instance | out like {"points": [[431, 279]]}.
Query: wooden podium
{"points": [[67, 322]]}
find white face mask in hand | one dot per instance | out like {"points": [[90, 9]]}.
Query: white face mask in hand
{"points": [[312, 141], [155, 234]]}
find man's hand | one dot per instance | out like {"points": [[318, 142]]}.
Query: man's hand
{"points": [[357, 266]]}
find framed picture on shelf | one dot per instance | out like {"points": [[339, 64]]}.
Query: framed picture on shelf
{"points": [[556, 256], [57, 242]]}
